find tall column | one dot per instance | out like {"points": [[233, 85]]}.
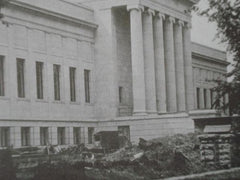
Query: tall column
{"points": [[170, 65], [139, 95], [149, 65], [208, 98], [188, 67], [179, 65], [159, 63]]}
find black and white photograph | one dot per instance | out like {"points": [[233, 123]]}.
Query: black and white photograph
{"points": [[119, 89]]}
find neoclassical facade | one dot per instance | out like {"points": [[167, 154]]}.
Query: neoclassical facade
{"points": [[69, 70]]}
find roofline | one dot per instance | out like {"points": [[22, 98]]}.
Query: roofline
{"points": [[225, 63], [54, 14], [221, 51]]}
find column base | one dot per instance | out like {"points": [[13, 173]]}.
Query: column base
{"points": [[139, 113], [162, 112], [152, 112]]}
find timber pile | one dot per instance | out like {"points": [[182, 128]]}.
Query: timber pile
{"points": [[217, 149]]}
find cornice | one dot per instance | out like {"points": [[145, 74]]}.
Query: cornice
{"points": [[166, 10], [206, 58], [88, 24]]}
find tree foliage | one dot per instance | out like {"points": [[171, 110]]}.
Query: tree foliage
{"points": [[226, 14], [3, 3]]}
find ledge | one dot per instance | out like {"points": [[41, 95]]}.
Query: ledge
{"points": [[203, 113], [54, 14]]}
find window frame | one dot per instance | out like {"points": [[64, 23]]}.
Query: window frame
{"points": [[198, 97], [5, 137], [57, 81], [72, 81], [87, 79], [61, 135], [39, 79], [44, 136], [25, 136], [2, 77], [205, 98], [21, 77]]}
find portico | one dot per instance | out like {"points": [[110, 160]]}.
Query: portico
{"points": [[161, 61]]}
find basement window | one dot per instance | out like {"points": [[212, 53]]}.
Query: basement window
{"points": [[44, 136], [5, 136]]}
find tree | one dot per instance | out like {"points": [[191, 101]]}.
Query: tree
{"points": [[3, 3], [226, 14]]}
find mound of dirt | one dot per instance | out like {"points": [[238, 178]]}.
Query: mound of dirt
{"points": [[158, 158]]}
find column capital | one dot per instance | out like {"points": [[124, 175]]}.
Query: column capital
{"points": [[160, 15], [188, 25], [171, 19], [136, 7], [180, 23], [150, 12]]}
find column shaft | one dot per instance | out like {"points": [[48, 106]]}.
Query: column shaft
{"points": [[179, 65], [139, 103], [188, 67], [159, 63], [149, 65], [170, 66]]}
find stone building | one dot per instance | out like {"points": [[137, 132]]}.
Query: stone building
{"points": [[68, 70]]}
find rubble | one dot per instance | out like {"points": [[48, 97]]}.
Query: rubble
{"points": [[155, 159]]}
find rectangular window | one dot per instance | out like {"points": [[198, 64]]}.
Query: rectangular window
{"points": [[25, 135], [87, 85], [90, 135], [20, 78], [2, 76], [77, 135], [72, 75], [56, 74], [44, 136], [205, 98], [120, 93], [61, 135], [198, 98], [5, 136], [211, 97], [39, 79]]}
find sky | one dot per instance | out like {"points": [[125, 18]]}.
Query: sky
{"points": [[203, 32]]}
